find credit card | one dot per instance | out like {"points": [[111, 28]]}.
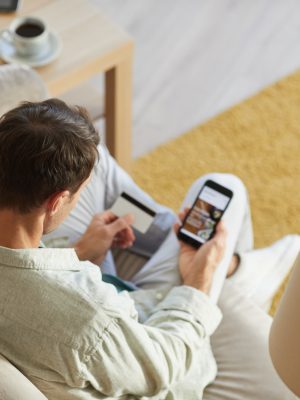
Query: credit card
{"points": [[143, 215]]}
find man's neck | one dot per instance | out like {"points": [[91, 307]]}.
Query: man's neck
{"points": [[20, 231]]}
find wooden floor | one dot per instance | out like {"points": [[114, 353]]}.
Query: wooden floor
{"points": [[195, 58]]}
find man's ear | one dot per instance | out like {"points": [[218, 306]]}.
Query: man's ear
{"points": [[55, 201]]}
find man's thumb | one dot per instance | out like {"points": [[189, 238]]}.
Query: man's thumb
{"points": [[121, 223], [221, 234]]}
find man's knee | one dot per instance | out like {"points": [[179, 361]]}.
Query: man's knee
{"points": [[230, 181], [224, 179]]}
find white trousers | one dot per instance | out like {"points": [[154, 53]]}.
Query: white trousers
{"points": [[162, 268], [240, 344]]}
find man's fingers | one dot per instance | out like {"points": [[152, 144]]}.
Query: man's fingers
{"points": [[181, 216], [219, 240], [221, 231], [107, 216], [176, 227], [183, 213], [129, 218], [123, 244], [121, 223], [126, 235]]}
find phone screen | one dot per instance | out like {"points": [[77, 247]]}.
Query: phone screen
{"points": [[200, 223]]}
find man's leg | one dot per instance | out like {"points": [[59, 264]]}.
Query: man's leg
{"points": [[162, 269]]}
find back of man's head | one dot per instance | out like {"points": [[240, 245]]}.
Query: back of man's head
{"points": [[45, 148]]}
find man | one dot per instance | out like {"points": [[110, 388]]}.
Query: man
{"points": [[71, 333]]}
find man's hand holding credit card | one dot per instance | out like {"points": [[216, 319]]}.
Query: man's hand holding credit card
{"points": [[143, 215]]}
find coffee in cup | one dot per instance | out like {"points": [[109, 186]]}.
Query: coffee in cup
{"points": [[28, 35], [29, 30]]}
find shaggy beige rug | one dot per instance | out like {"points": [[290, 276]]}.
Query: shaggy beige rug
{"points": [[258, 140]]}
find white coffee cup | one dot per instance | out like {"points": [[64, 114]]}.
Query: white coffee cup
{"points": [[28, 35]]}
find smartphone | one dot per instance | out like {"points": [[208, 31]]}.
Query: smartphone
{"points": [[9, 5], [201, 221]]}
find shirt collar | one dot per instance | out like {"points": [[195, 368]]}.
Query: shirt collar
{"points": [[40, 259]]}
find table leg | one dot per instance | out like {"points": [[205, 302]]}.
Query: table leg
{"points": [[118, 99]]}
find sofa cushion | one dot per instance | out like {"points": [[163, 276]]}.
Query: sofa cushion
{"points": [[19, 83], [14, 385], [240, 347]]}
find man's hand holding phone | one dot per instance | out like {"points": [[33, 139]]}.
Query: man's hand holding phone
{"points": [[197, 266]]}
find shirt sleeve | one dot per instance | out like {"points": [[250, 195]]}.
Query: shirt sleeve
{"points": [[144, 359]]}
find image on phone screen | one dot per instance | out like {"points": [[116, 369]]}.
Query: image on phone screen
{"points": [[208, 208]]}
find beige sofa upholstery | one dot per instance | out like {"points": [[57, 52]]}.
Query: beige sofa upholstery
{"points": [[19, 83], [14, 385]]}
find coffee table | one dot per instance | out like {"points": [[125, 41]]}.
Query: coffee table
{"points": [[92, 44]]}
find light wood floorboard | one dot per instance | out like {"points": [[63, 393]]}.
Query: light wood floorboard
{"points": [[196, 58]]}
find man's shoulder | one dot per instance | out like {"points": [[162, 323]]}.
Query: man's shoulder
{"points": [[69, 307]]}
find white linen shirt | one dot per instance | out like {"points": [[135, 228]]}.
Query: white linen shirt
{"points": [[76, 337]]}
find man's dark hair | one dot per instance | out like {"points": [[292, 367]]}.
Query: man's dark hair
{"points": [[45, 148]]}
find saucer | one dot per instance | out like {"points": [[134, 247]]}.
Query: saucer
{"points": [[9, 54]]}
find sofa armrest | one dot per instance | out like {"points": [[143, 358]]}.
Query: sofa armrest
{"points": [[19, 83], [14, 385]]}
